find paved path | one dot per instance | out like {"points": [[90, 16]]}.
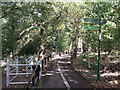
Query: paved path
{"points": [[53, 78], [69, 78], [74, 79]]}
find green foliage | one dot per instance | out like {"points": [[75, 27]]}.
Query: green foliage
{"points": [[110, 31], [31, 48], [58, 26]]}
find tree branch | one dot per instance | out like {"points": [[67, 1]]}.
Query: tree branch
{"points": [[27, 30]]}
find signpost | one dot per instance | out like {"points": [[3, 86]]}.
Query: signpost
{"points": [[104, 21], [100, 22], [92, 27], [93, 20]]}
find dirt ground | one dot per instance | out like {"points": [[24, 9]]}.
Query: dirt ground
{"points": [[105, 81]]}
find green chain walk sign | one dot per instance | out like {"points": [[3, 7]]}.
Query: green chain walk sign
{"points": [[100, 22], [93, 20], [92, 27], [96, 21], [104, 21]]}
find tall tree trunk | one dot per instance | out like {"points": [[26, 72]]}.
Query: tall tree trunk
{"points": [[80, 44], [41, 52], [74, 50]]}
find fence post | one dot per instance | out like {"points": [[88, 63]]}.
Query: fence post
{"points": [[31, 59], [16, 66], [45, 60], [42, 64], [7, 74], [48, 58], [26, 67], [41, 67]]}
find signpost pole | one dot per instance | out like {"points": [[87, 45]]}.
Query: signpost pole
{"points": [[99, 48], [99, 57], [100, 22]]}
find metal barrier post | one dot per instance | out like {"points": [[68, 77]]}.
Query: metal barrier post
{"points": [[26, 67], [7, 74], [33, 81], [41, 68], [42, 65], [45, 60], [31, 62], [16, 66], [48, 58]]}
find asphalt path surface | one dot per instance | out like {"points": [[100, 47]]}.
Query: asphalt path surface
{"points": [[61, 75]]}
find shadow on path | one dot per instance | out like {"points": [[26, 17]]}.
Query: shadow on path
{"points": [[52, 78]]}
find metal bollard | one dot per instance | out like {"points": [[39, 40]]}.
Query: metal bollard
{"points": [[7, 74], [48, 58], [16, 66], [42, 65], [45, 60]]}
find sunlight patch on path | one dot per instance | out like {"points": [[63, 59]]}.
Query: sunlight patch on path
{"points": [[62, 57], [110, 74]]}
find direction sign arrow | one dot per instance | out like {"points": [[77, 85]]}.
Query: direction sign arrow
{"points": [[93, 20], [92, 27], [104, 21]]}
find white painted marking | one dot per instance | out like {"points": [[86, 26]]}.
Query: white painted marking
{"points": [[19, 83], [20, 73], [64, 80]]}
